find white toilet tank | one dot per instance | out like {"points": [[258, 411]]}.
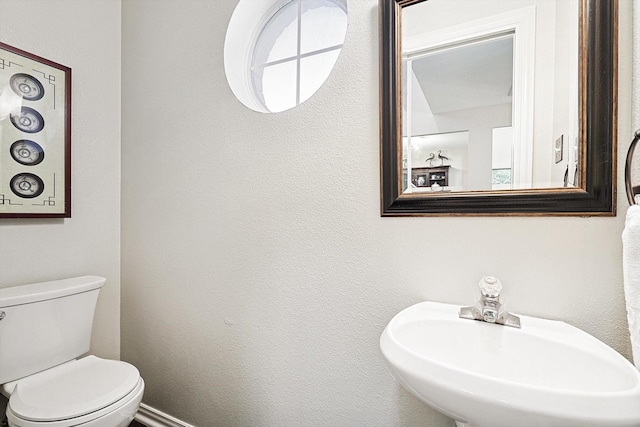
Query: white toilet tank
{"points": [[45, 324]]}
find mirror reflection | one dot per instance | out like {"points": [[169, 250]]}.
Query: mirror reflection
{"points": [[490, 95]]}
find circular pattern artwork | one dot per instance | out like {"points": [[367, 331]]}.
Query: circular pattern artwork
{"points": [[27, 120], [27, 185], [27, 86], [26, 152]]}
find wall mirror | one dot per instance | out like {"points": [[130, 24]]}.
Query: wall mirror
{"points": [[499, 107]]}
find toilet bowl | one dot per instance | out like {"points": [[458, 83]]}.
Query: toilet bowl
{"points": [[91, 392], [44, 328]]}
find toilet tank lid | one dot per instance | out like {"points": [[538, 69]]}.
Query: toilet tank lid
{"points": [[73, 389], [25, 294]]}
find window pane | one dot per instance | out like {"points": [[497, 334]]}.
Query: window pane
{"points": [[314, 70], [279, 38], [324, 24], [277, 55], [277, 85]]}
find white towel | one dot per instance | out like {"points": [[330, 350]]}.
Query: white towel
{"points": [[631, 272]]}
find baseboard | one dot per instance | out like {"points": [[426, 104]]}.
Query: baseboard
{"points": [[151, 417]]}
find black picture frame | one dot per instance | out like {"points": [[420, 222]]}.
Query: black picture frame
{"points": [[35, 142]]}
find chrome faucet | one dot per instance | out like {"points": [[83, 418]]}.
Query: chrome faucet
{"points": [[489, 308]]}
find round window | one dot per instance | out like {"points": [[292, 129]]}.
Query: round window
{"points": [[289, 55]]}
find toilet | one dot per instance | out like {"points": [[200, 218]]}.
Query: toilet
{"points": [[44, 329]]}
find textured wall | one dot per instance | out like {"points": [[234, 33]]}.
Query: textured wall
{"points": [[635, 107], [86, 37], [257, 272]]}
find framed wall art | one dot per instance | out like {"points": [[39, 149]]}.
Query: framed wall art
{"points": [[35, 136]]}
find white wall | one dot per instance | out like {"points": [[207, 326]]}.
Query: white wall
{"points": [[257, 271], [86, 37], [565, 106], [635, 118], [480, 123]]}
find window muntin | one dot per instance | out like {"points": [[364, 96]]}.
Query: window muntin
{"points": [[296, 51]]}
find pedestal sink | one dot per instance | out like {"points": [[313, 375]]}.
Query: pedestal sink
{"points": [[545, 374]]}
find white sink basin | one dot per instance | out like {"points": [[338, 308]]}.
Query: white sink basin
{"points": [[546, 374]]}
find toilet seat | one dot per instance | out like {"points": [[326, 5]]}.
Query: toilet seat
{"points": [[74, 393]]}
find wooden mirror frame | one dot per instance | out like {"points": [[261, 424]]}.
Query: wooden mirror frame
{"points": [[598, 131]]}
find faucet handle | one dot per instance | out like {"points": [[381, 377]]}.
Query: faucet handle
{"points": [[490, 287]]}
